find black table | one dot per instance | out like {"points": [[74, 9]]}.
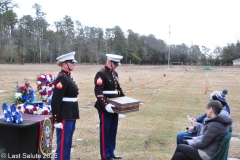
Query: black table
{"points": [[24, 141]]}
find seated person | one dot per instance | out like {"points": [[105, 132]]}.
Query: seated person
{"points": [[191, 131], [216, 95], [213, 132]]}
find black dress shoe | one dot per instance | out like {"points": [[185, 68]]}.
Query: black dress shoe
{"points": [[117, 157], [107, 159]]}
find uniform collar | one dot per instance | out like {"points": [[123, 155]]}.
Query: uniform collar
{"points": [[67, 73], [108, 69]]}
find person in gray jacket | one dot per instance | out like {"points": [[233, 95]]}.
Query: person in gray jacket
{"points": [[224, 115], [207, 144]]}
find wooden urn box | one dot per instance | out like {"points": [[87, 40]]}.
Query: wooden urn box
{"points": [[124, 104]]}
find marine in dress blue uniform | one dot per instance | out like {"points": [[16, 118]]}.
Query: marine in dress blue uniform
{"points": [[107, 86], [65, 106]]}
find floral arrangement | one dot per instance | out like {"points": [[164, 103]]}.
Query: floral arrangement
{"points": [[45, 86], [34, 108], [24, 93], [25, 96]]}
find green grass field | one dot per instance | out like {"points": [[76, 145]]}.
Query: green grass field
{"points": [[149, 133]]}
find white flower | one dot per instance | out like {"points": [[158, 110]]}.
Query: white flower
{"points": [[39, 82], [30, 107], [18, 95], [44, 97], [39, 111], [43, 76], [48, 78]]}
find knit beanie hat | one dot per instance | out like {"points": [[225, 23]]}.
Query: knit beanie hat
{"points": [[221, 97], [213, 94]]}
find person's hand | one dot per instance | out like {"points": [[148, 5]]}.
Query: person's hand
{"points": [[194, 123], [58, 125], [108, 108], [190, 129], [194, 139], [193, 119]]}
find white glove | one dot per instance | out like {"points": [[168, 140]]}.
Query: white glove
{"points": [[108, 107], [58, 125]]}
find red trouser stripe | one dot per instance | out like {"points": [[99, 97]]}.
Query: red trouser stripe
{"points": [[62, 141], [103, 137]]}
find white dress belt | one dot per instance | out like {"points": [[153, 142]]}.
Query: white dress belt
{"points": [[66, 99], [110, 92]]}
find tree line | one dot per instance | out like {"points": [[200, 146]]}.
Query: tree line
{"points": [[31, 40]]}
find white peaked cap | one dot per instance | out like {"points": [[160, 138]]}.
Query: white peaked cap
{"points": [[67, 57], [114, 57]]}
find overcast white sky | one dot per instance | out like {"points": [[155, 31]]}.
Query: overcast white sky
{"points": [[202, 22]]}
